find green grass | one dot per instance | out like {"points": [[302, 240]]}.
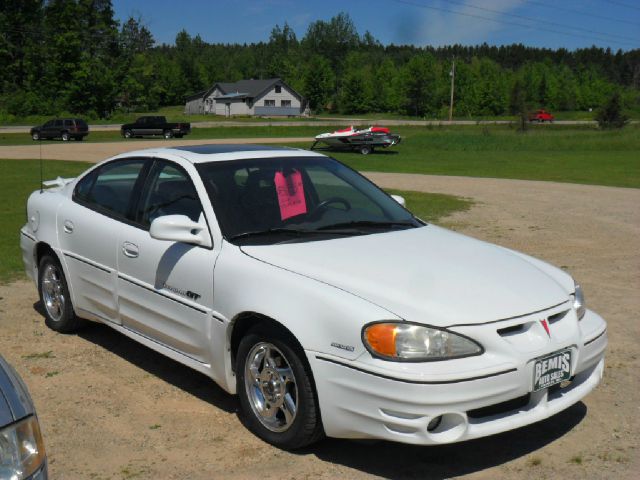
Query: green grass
{"points": [[21, 177], [432, 207], [38, 356], [550, 153]]}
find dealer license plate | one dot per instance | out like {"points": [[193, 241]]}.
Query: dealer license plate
{"points": [[552, 369]]}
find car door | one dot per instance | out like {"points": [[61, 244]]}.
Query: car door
{"points": [[47, 130], [88, 233], [156, 127], [56, 131], [138, 126], [165, 289]]}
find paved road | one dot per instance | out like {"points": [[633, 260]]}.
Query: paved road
{"points": [[319, 122], [94, 152]]}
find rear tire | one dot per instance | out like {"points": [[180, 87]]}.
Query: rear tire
{"points": [[275, 386], [55, 297], [79, 138], [366, 149], [168, 134]]}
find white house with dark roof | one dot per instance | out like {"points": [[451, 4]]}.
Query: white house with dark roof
{"points": [[268, 98]]}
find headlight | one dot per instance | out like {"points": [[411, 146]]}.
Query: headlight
{"points": [[21, 449], [402, 341], [578, 302]]}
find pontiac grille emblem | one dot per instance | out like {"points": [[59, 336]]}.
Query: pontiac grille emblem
{"points": [[545, 324]]}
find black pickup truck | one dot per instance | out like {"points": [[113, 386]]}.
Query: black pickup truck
{"points": [[155, 125]]}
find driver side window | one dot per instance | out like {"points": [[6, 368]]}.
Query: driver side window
{"points": [[169, 191], [330, 187]]}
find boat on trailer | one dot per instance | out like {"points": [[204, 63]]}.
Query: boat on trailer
{"points": [[363, 141]]}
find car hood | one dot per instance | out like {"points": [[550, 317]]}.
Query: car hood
{"points": [[428, 275], [15, 401]]}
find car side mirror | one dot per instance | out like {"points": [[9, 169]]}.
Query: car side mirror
{"points": [[399, 199], [180, 228]]}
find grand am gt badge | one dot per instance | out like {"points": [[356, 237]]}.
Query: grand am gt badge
{"points": [[348, 348], [184, 293]]}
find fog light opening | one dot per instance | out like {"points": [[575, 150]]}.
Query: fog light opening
{"points": [[434, 423]]}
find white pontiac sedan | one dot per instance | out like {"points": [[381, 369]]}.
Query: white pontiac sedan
{"points": [[293, 281]]}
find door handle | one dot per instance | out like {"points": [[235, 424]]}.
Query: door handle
{"points": [[67, 226], [130, 250]]}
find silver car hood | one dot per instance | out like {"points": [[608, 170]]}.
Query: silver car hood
{"points": [[15, 402]]}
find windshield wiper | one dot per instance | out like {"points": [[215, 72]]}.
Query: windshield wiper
{"points": [[368, 223], [269, 231], [280, 230]]}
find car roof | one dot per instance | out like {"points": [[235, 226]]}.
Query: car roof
{"points": [[222, 152]]}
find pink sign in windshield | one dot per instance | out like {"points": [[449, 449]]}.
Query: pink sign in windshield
{"points": [[290, 194]]}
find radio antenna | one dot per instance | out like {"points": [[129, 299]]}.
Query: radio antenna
{"points": [[41, 179]]}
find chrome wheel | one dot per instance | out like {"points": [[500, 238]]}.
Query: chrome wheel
{"points": [[53, 292], [271, 387]]}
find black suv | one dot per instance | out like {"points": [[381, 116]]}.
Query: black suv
{"points": [[64, 128]]}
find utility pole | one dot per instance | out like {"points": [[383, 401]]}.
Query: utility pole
{"points": [[452, 74]]}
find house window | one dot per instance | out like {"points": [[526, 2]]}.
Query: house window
{"points": [[285, 103], [278, 88], [269, 103]]}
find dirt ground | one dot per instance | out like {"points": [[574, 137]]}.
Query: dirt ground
{"points": [[113, 409]]}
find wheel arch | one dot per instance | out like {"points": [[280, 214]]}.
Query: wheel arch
{"points": [[42, 249], [245, 321]]}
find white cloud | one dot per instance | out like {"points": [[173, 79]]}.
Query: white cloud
{"points": [[445, 28]]}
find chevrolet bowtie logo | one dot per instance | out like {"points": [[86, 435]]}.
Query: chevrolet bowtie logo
{"points": [[545, 324]]}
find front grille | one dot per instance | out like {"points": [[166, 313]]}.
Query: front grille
{"points": [[499, 408]]}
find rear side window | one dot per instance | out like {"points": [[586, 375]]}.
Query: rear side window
{"points": [[68, 123], [83, 188], [58, 123], [169, 192], [110, 189], [81, 123]]}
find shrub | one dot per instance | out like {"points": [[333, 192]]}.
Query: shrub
{"points": [[610, 115]]}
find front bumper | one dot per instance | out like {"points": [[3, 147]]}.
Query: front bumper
{"points": [[360, 401]]}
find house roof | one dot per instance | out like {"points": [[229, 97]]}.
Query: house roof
{"points": [[248, 88], [253, 88], [196, 95]]}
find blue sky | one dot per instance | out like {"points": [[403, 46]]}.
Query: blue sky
{"points": [[542, 23]]}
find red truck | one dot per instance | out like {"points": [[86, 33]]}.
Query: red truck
{"points": [[541, 116]]}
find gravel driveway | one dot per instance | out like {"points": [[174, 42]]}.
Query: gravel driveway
{"points": [[112, 409]]}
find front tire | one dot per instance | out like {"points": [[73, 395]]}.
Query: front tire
{"points": [[366, 149], [127, 134], [277, 397], [35, 136], [65, 137], [55, 298], [168, 134]]}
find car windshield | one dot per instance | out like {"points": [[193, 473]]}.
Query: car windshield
{"points": [[291, 199]]}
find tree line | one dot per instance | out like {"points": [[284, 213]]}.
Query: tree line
{"points": [[74, 56]]}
